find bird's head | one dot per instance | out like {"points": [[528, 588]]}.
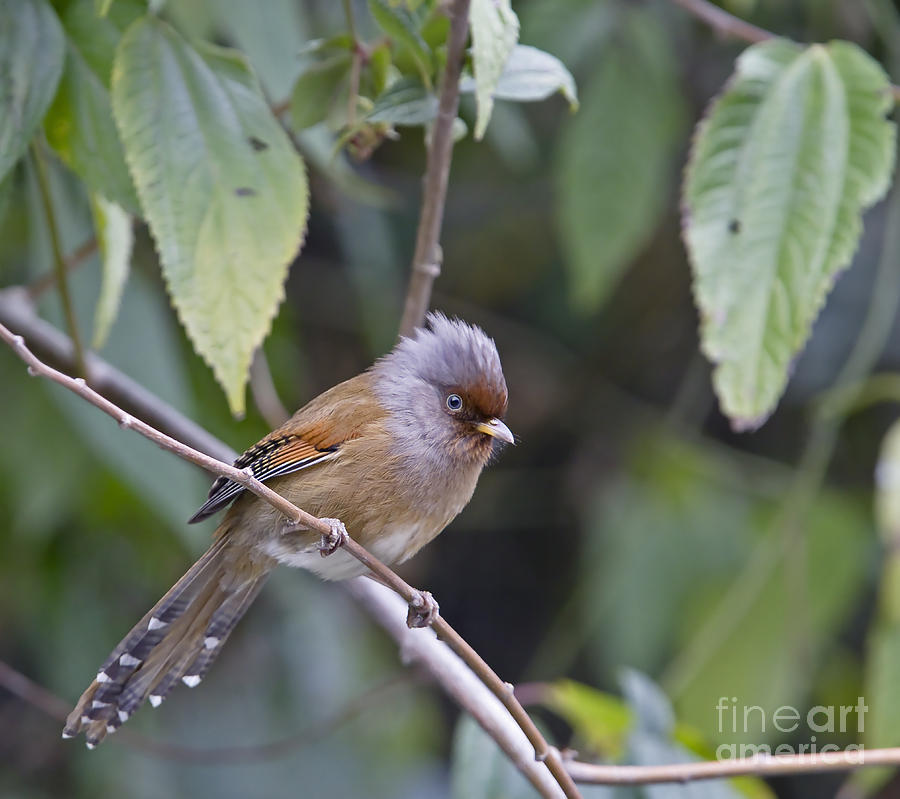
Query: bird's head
{"points": [[444, 386]]}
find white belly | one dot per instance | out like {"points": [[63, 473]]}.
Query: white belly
{"points": [[340, 565]]}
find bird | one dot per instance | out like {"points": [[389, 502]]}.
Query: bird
{"points": [[394, 453]]}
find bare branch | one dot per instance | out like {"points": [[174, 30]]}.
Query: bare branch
{"points": [[720, 20], [729, 25], [300, 518], [426, 264], [757, 766], [17, 312]]}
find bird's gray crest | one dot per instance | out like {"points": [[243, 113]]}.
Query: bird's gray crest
{"points": [[450, 353]]}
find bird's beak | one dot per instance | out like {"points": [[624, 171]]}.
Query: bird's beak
{"points": [[496, 429]]}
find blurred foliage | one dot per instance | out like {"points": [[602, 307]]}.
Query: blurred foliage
{"points": [[632, 527]]}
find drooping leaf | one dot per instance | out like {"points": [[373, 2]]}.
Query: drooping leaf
{"points": [[616, 161], [32, 50], [79, 124], [495, 31], [403, 26], [405, 102], [781, 170], [224, 192], [115, 238], [531, 75]]}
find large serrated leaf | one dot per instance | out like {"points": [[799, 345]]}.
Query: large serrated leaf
{"points": [[32, 49], [781, 170], [79, 124], [616, 158], [223, 190], [495, 31]]}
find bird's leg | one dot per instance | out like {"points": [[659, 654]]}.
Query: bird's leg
{"points": [[334, 539], [423, 610]]}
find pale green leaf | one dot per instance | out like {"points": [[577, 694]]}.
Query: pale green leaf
{"points": [[115, 238], [406, 102], [79, 124], [101, 7], [530, 75], [223, 190], [616, 158], [32, 50], [495, 31], [781, 170]]}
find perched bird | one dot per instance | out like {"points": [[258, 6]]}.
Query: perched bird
{"points": [[394, 453]]}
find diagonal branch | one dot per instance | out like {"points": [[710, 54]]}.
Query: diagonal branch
{"points": [[300, 518], [729, 25], [426, 264]]}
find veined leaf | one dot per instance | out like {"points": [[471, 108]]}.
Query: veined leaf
{"points": [[781, 170], [495, 31], [529, 75], [616, 162], [224, 192], [32, 49], [115, 237], [79, 124]]}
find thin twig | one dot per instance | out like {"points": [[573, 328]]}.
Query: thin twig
{"points": [[757, 766], [301, 519], [265, 395], [59, 260], [17, 312], [729, 25], [426, 263], [74, 259]]}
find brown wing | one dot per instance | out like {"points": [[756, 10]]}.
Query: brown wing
{"points": [[312, 435]]}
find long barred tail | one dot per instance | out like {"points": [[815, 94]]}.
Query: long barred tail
{"points": [[178, 639]]}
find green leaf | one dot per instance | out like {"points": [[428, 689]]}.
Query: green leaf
{"points": [[115, 237], [495, 31], [781, 170], [224, 192], [599, 718], [316, 89], [404, 27], [616, 158], [79, 124], [101, 7], [406, 102], [530, 75], [32, 49]]}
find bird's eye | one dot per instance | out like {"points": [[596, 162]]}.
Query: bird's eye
{"points": [[454, 402]]}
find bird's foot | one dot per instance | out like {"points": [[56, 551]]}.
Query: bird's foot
{"points": [[423, 610], [334, 539]]}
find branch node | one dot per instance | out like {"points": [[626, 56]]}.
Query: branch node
{"points": [[423, 610], [32, 372], [79, 381], [334, 539], [126, 421]]}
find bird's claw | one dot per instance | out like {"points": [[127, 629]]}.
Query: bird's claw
{"points": [[334, 539], [423, 610]]}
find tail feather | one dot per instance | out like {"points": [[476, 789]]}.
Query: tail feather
{"points": [[176, 640]]}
